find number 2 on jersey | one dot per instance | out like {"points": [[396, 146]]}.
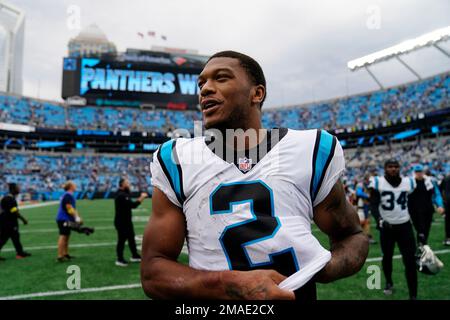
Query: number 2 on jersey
{"points": [[264, 225]]}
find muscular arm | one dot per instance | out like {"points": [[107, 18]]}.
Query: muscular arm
{"points": [[164, 278], [349, 246]]}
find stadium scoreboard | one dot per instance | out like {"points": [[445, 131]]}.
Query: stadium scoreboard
{"points": [[133, 79]]}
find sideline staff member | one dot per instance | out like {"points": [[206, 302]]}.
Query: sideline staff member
{"points": [[9, 225], [123, 222], [67, 213]]}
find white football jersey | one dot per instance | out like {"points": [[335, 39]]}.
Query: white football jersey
{"points": [[393, 205], [258, 217]]}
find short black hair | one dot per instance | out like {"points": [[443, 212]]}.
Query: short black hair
{"points": [[250, 65], [12, 188], [121, 181], [391, 162]]}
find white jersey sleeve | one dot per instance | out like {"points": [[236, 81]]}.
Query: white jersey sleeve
{"points": [[165, 172], [373, 183], [328, 166], [412, 184]]}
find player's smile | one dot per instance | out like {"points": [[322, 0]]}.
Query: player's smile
{"points": [[210, 105]]}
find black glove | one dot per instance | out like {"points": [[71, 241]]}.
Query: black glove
{"points": [[76, 226]]}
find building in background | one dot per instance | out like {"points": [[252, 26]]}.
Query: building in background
{"points": [[12, 25], [91, 42]]}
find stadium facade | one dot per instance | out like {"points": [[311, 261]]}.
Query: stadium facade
{"points": [[12, 24]]}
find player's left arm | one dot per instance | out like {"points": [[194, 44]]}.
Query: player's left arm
{"points": [[336, 217]]}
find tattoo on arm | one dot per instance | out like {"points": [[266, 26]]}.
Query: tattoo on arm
{"points": [[349, 246]]}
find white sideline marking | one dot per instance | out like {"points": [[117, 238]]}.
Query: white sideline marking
{"points": [[56, 229], [83, 245], [66, 292], [121, 287], [37, 205], [76, 245], [184, 250], [399, 256], [134, 219], [44, 221]]}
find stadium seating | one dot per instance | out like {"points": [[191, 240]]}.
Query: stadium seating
{"points": [[432, 153], [373, 108], [43, 174], [367, 109]]}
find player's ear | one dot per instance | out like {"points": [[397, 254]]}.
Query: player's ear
{"points": [[259, 92]]}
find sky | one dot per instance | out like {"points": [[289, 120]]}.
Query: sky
{"points": [[303, 46]]}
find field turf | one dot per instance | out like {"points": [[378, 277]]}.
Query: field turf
{"points": [[41, 277]]}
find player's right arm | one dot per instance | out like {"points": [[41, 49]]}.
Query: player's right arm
{"points": [[163, 277]]}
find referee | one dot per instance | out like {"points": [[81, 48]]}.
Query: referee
{"points": [[124, 224], [9, 225]]}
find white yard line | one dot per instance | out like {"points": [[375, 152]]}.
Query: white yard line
{"points": [[37, 205], [52, 220], [76, 245], [23, 230], [399, 256], [119, 287], [184, 250], [66, 292]]}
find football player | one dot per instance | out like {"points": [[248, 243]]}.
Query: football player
{"points": [[244, 200], [390, 196]]}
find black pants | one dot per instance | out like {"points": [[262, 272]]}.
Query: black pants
{"points": [[11, 232], [403, 235], [422, 224], [447, 219], [125, 233]]}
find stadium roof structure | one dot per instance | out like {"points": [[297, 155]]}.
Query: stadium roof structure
{"points": [[431, 39]]}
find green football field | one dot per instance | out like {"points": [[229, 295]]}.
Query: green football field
{"points": [[41, 277]]}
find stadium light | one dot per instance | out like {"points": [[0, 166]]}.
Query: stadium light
{"points": [[427, 39]]}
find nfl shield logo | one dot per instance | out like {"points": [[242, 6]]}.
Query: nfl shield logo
{"points": [[245, 164]]}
